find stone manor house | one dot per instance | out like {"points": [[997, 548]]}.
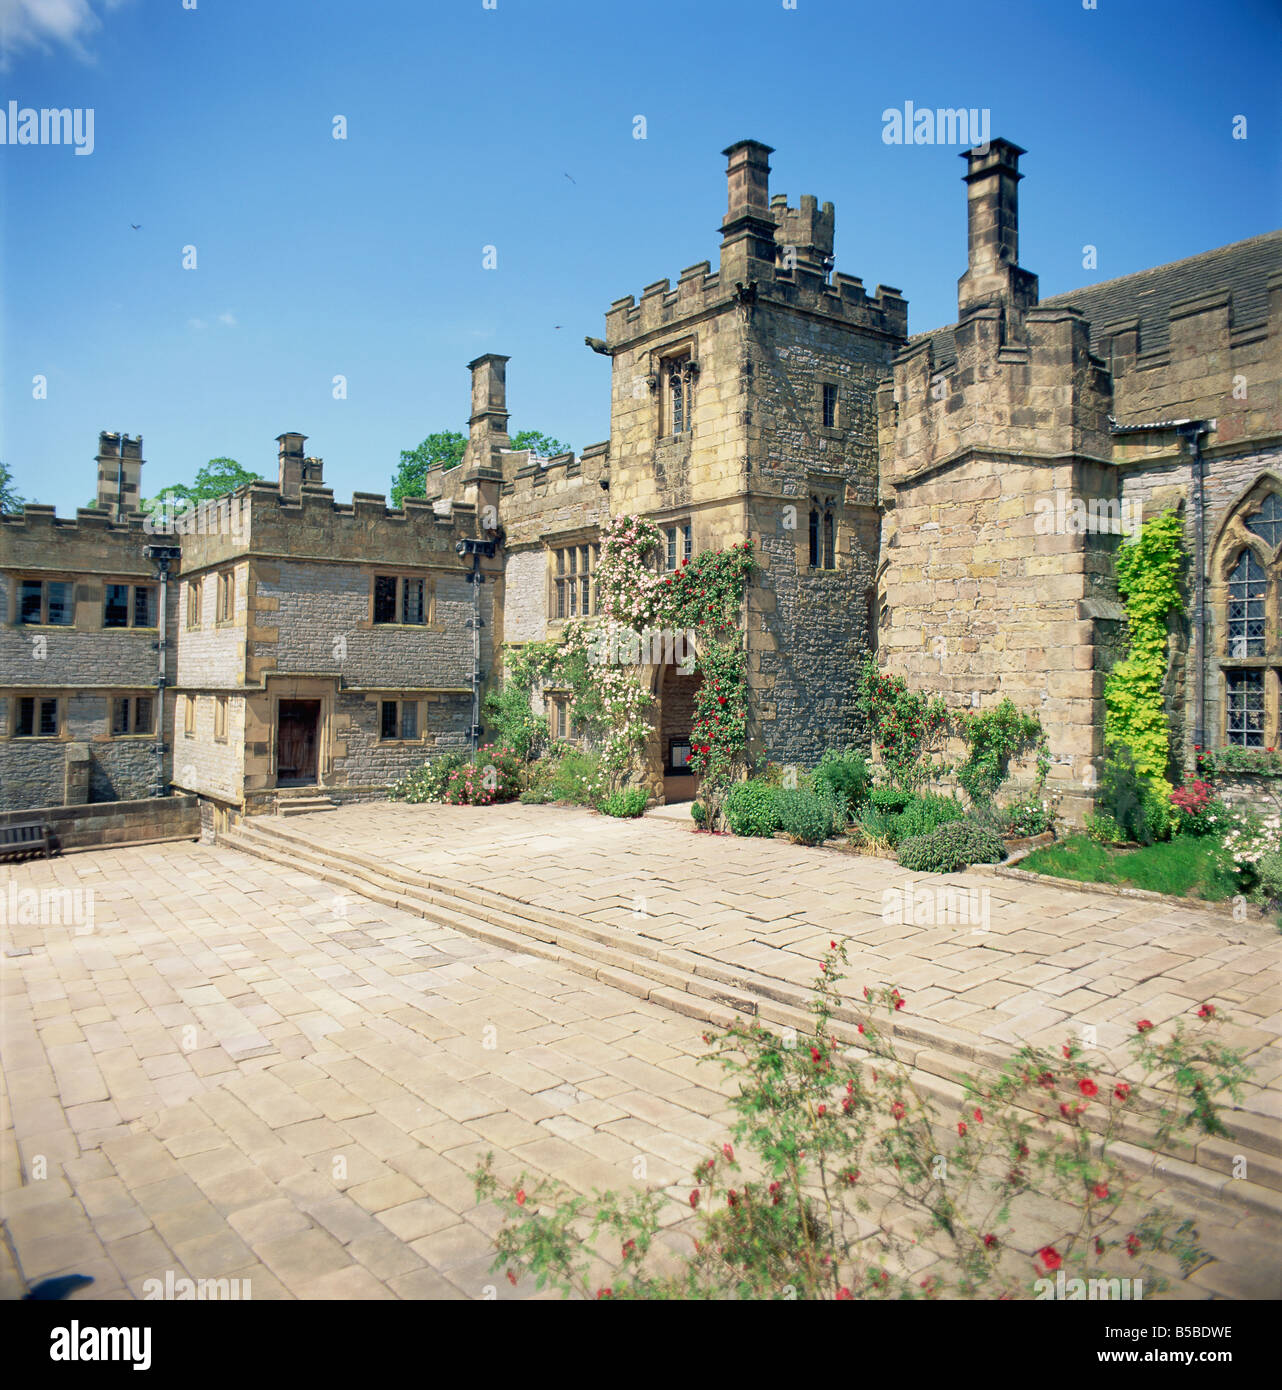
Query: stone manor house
{"points": [[921, 498]]}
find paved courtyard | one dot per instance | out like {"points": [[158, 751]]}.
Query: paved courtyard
{"points": [[1047, 960], [233, 1071]]}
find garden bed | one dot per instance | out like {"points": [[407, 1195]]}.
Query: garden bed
{"points": [[1188, 868]]}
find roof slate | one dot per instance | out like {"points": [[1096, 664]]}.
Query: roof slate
{"points": [[1242, 268]]}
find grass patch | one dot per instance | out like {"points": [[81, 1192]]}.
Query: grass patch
{"points": [[1189, 866]]}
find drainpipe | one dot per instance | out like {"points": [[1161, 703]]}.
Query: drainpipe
{"points": [[1191, 432], [475, 549], [162, 556]]}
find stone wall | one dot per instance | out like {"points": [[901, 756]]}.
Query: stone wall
{"points": [[315, 618], [117, 822]]}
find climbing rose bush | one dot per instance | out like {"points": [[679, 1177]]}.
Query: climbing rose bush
{"points": [[779, 1210]]}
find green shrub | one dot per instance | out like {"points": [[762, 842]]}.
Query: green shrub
{"points": [[628, 802], [699, 813], [1133, 800], [955, 845], [879, 825], [845, 778], [890, 799], [428, 783], [808, 818], [572, 775], [925, 813], [1028, 817], [1269, 870], [507, 710], [751, 808]]}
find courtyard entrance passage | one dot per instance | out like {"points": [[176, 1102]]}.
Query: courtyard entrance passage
{"points": [[296, 741]]}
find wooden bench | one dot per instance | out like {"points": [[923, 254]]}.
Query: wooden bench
{"points": [[23, 838]]}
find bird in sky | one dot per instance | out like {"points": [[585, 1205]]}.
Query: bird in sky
{"points": [[573, 181], [137, 226]]}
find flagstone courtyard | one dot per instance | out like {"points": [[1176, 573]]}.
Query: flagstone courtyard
{"points": [[231, 1068]]}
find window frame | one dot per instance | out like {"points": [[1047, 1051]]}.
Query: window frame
{"points": [[38, 699], [130, 703], [189, 716], [401, 580], [822, 534], [195, 598], [221, 718], [21, 581], [567, 576], [829, 415], [400, 705], [225, 604], [134, 588]]}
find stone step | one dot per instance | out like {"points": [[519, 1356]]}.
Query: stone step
{"points": [[303, 805], [702, 988]]}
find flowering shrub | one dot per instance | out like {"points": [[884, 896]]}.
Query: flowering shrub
{"points": [[1195, 805], [427, 783], [1259, 762], [1249, 837], [906, 725], [831, 1131], [1028, 816], [493, 776]]}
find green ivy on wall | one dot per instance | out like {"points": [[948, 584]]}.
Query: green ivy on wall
{"points": [[1149, 571]]}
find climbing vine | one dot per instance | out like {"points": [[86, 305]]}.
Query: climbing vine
{"points": [[693, 612], [910, 728], [1149, 570]]}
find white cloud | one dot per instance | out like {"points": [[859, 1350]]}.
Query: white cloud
{"points": [[228, 318], [196, 323], [49, 25]]}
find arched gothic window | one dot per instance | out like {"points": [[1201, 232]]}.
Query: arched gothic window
{"points": [[823, 533]]}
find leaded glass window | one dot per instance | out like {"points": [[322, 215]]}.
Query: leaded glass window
{"points": [[1246, 607]]}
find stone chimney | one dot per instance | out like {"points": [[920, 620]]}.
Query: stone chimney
{"points": [[120, 463], [289, 455], [487, 424], [748, 228], [993, 276]]}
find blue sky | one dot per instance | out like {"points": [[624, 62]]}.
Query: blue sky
{"points": [[318, 257]]}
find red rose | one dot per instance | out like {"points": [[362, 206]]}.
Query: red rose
{"points": [[1087, 1087], [1100, 1190], [694, 1198], [1143, 1026], [897, 1110], [979, 1117], [1050, 1257], [1206, 1011], [520, 1197], [989, 1242], [728, 1151], [843, 1294], [961, 1128], [1121, 1091]]}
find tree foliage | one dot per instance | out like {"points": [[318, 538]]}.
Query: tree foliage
{"points": [[10, 500], [445, 450], [214, 479]]}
